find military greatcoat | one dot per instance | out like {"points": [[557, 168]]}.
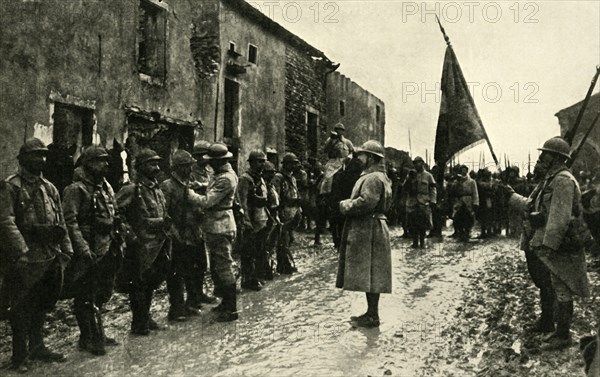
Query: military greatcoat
{"points": [[365, 262]]}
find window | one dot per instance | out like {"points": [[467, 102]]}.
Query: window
{"points": [[232, 46], [252, 53], [232, 104], [377, 113], [152, 39], [342, 108]]}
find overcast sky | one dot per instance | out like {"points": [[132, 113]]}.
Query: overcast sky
{"points": [[526, 61]]}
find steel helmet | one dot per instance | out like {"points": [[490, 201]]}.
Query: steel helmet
{"points": [[32, 145], [93, 152], [257, 155], [201, 147], [182, 157], [418, 159], [557, 145], [289, 157], [269, 167], [145, 155], [218, 151], [373, 147], [339, 126]]}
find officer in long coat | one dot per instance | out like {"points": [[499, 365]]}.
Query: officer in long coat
{"points": [[182, 206], [552, 237], [147, 261], [252, 192], [90, 211], [219, 228], [365, 262], [35, 249]]}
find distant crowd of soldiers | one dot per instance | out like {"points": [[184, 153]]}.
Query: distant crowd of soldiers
{"points": [[91, 240]]}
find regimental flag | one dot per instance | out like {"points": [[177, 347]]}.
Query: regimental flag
{"points": [[459, 126]]}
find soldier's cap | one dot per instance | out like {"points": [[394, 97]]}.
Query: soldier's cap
{"points": [[32, 145], [257, 156], [182, 157], [269, 167], [339, 126], [418, 159], [289, 157], [218, 151], [146, 155], [201, 147], [94, 152]]}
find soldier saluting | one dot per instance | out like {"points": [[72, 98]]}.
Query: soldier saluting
{"points": [[36, 247], [90, 212], [147, 263]]}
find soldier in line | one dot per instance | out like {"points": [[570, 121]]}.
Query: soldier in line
{"points": [[552, 241], [201, 173], [466, 203], [181, 204], [147, 261], [273, 228], [365, 262], [487, 212], [422, 196], [219, 228], [289, 211], [36, 247], [90, 214], [252, 192]]}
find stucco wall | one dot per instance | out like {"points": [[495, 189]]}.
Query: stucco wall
{"points": [[85, 52], [261, 116]]}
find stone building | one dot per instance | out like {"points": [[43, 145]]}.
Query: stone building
{"points": [[162, 73], [362, 113]]}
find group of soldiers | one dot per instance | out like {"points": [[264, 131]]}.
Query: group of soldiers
{"points": [[423, 200], [90, 241]]}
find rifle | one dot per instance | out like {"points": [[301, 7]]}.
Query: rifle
{"points": [[582, 142], [570, 134]]}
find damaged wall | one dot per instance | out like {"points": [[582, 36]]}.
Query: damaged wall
{"points": [[87, 51], [304, 93], [360, 109]]}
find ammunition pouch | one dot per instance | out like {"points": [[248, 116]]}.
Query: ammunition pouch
{"points": [[537, 220], [575, 236], [159, 223]]}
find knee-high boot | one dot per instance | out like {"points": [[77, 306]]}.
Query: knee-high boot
{"points": [[229, 312]]}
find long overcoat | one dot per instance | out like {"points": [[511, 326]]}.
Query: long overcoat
{"points": [[365, 262], [558, 199]]}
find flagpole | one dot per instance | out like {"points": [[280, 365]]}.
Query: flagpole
{"points": [[487, 139], [409, 145]]}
